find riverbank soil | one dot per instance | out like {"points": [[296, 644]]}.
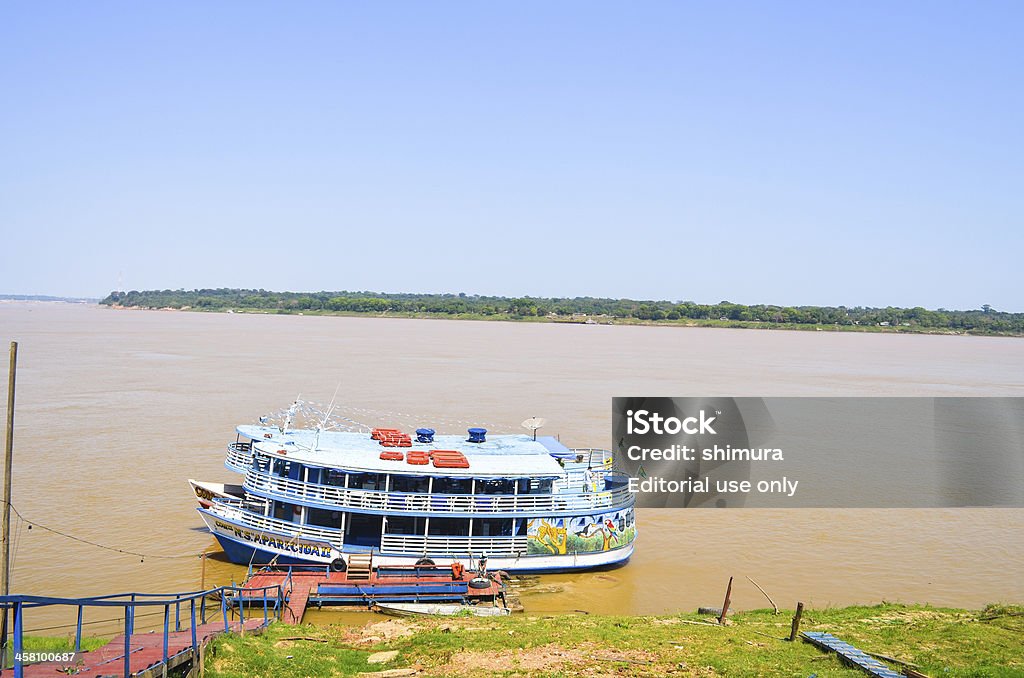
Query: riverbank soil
{"points": [[938, 641]]}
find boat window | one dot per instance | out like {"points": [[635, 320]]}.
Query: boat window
{"points": [[283, 511], [524, 485], [521, 524], [282, 467], [540, 486], [492, 527], [405, 525], [323, 518], [366, 481], [262, 464], [449, 527], [417, 484], [333, 477], [452, 485], [501, 486]]}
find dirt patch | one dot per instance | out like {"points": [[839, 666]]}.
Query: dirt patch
{"points": [[381, 631], [586, 660], [526, 661]]}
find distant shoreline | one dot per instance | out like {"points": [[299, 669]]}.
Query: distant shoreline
{"points": [[49, 299], [591, 320]]}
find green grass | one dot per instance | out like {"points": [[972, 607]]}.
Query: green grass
{"points": [[943, 642]]}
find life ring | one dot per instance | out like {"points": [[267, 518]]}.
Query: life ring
{"points": [[339, 565]]}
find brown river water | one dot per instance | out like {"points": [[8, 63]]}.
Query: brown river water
{"points": [[116, 409]]}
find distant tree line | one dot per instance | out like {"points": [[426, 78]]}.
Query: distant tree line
{"points": [[985, 320]]}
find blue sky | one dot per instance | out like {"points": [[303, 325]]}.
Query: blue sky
{"points": [[793, 153]]}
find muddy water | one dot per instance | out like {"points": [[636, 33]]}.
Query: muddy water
{"points": [[116, 409]]}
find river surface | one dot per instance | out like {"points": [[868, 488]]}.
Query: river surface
{"points": [[116, 409]]}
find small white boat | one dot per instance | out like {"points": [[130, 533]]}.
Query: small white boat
{"points": [[440, 610]]}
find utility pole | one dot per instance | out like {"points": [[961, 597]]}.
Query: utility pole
{"points": [[5, 566]]}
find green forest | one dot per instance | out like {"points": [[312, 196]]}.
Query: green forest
{"points": [[984, 320]]}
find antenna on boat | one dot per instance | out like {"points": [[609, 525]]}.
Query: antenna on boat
{"points": [[327, 416], [534, 423], [291, 414]]}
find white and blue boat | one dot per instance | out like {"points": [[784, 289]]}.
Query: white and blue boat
{"points": [[523, 502]]}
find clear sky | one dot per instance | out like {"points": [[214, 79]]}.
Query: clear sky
{"points": [[857, 153]]}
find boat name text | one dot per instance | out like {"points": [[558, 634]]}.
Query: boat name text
{"points": [[304, 548]]}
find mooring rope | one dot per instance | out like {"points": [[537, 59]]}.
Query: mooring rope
{"points": [[32, 524]]}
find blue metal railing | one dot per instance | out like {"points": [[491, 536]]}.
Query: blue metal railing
{"points": [[130, 601]]}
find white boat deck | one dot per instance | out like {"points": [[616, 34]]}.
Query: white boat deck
{"points": [[501, 456]]}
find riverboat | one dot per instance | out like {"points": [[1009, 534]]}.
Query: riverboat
{"points": [[525, 503]]}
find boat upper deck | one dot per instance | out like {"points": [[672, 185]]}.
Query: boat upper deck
{"points": [[500, 456]]}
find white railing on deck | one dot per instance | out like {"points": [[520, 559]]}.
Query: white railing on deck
{"points": [[567, 498], [239, 457], [235, 510], [491, 546], [262, 482]]}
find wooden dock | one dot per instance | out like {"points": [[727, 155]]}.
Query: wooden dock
{"points": [[146, 650], [140, 654], [318, 586]]}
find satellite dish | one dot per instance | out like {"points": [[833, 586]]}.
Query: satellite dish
{"points": [[534, 423]]}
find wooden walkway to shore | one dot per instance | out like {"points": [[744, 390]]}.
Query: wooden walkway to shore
{"points": [[146, 652]]}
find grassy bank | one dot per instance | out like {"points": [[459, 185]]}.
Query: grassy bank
{"points": [[983, 321], [730, 324], [942, 642]]}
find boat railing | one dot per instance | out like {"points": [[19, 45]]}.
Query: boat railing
{"points": [[236, 510], [475, 546], [613, 495], [172, 604], [239, 457]]}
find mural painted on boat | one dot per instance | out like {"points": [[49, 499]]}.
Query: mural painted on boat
{"points": [[580, 534]]}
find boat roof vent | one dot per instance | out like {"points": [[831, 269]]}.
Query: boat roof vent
{"points": [[424, 435], [477, 435]]}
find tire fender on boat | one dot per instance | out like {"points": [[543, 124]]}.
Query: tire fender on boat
{"points": [[339, 565]]}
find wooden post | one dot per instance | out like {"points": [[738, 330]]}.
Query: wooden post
{"points": [[795, 631], [5, 566], [725, 605]]}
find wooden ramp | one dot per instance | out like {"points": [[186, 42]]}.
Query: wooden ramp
{"points": [[850, 654], [296, 587], [146, 653]]}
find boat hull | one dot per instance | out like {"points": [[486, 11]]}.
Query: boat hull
{"points": [[245, 546]]}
